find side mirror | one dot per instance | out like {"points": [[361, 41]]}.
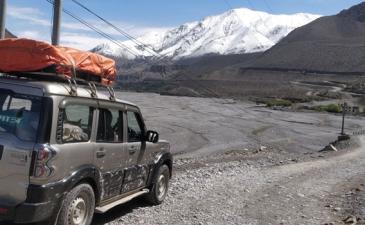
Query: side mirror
{"points": [[152, 136]]}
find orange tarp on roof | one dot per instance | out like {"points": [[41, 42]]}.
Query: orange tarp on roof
{"points": [[25, 55]]}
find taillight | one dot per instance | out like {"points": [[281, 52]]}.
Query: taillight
{"points": [[3, 210], [44, 153]]}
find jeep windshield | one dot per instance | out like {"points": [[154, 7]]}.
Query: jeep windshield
{"points": [[19, 114]]}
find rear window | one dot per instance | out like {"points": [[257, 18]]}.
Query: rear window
{"points": [[19, 114]]}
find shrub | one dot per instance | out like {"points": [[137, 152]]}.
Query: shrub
{"points": [[332, 108], [279, 102]]}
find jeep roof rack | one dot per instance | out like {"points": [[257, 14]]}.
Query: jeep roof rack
{"points": [[72, 82]]}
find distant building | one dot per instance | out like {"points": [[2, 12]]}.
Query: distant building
{"points": [[355, 109], [352, 109]]}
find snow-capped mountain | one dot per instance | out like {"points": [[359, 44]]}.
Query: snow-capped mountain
{"points": [[236, 31]]}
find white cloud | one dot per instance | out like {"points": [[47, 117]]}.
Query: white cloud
{"points": [[75, 26], [131, 29], [81, 41], [33, 15], [80, 37], [137, 31], [74, 34], [32, 34]]}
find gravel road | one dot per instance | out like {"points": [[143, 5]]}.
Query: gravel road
{"points": [[250, 190]]}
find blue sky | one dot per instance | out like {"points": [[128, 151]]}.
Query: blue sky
{"points": [[31, 18]]}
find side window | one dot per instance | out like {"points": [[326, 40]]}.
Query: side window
{"points": [[134, 127], [110, 126], [77, 123]]}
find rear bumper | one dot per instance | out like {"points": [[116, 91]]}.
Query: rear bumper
{"points": [[28, 213], [6, 214], [43, 201], [41, 204]]}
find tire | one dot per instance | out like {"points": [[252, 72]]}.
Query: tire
{"points": [[160, 186], [78, 206]]}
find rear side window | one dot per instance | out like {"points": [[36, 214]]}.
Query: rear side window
{"points": [[20, 114], [110, 126], [134, 127], [77, 123]]}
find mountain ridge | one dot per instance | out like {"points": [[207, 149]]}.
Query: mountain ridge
{"points": [[236, 31]]}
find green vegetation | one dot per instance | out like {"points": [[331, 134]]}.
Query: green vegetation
{"points": [[278, 102], [260, 130], [332, 108]]}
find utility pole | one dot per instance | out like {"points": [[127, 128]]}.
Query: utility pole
{"points": [[2, 18], [57, 12], [343, 136], [344, 109]]}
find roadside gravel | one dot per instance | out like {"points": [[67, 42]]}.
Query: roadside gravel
{"points": [[250, 190]]}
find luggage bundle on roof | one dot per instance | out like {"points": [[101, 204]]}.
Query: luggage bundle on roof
{"points": [[26, 56]]}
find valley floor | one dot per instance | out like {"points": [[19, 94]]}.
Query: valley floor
{"points": [[203, 126]]}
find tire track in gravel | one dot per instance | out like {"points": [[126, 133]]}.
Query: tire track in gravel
{"points": [[296, 193], [244, 193]]}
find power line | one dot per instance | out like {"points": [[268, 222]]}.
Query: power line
{"points": [[110, 38], [124, 33], [229, 4], [100, 32], [112, 25], [268, 6]]}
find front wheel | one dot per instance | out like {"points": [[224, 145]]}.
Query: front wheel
{"points": [[78, 206], [160, 186]]}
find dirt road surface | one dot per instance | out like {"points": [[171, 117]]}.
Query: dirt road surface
{"points": [[249, 192]]}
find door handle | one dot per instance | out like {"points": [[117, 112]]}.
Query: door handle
{"points": [[132, 149], [100, 154]]}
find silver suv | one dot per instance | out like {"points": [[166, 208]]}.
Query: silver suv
{"points": [[67, 152]]}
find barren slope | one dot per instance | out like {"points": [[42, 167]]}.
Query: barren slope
{"points": [[334, 43]]}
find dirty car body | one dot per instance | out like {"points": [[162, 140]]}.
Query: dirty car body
{"points": [[52, 141]]}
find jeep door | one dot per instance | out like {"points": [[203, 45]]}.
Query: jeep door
{"points": [[110, 150], [74, 137], [137, 170]]}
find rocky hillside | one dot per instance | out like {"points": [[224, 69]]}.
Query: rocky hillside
{"points": [[333, 43]]}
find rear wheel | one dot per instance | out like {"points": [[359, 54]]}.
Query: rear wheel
{"points": [[78, 206], [160, 186]]}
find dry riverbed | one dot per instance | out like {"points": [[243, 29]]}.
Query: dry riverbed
{"points": [[203, 126]]}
